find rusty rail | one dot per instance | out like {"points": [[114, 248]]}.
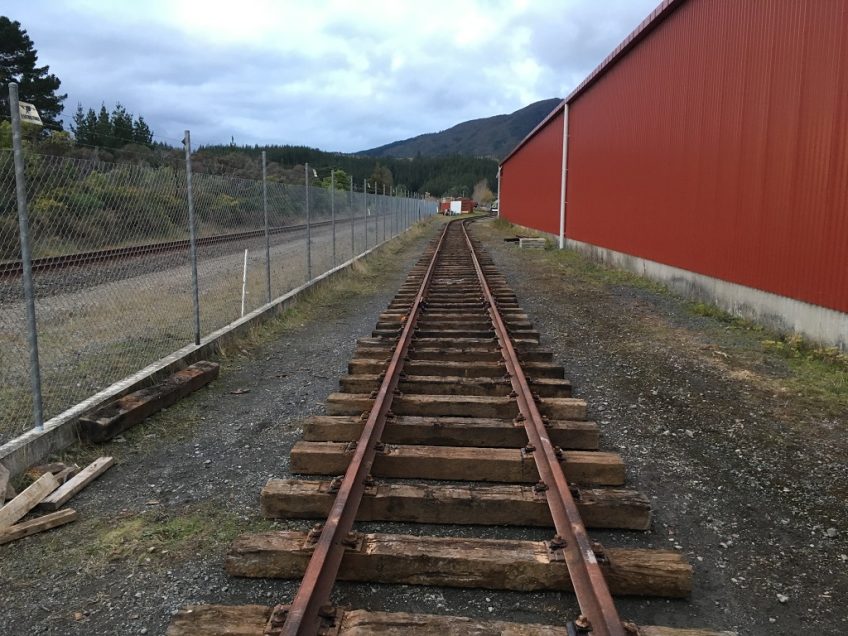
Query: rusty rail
{"points": [[599, 612], [304, 615]]}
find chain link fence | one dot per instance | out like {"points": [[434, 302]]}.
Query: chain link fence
{"points": [[112, 268]]}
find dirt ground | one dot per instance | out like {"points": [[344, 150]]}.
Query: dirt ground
{"points": [[741, 446]]}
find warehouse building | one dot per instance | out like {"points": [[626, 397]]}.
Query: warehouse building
{"points": [[708, 151]]}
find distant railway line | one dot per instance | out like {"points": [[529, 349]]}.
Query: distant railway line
{"points": [[13, 269]]}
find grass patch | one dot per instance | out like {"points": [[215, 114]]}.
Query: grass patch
{"points": [[155, 538], [502, 225], [174, 535], [819, 373]]}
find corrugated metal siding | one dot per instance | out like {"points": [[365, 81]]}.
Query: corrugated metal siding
{"points": [[531, 180], [719, 144]]}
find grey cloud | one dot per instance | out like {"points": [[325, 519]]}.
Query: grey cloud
{"points": [[263, 92]]}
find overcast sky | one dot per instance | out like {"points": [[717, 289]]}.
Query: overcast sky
{"points": [[337, 75]]}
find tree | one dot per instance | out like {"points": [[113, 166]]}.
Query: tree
{"points": [[382, 176], [341, 178], [106, 130], [122, 126], [482, 193], [36, 84], [141, 132]]}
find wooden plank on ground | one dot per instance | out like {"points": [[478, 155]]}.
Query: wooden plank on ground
{"points": [[4, 482], [39, 524], [487, 504], [74, 485], [250, 620], [27, 500], [125, 412], [498, 564], [456, 406], [452, 431], [457, 463]]}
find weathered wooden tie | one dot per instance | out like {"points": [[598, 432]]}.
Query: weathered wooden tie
{"points": [[495, 564], [250, 620], [457, 463], [475, 504], [452, 431]]}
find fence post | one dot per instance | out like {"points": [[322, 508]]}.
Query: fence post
{"points": [[26, 260], [192, 233], [267, 232], [308, 229], [384, 213], [352, 221], [365, 198], [333, 209]]}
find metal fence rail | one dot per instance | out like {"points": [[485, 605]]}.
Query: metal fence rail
{"points": [[102, 317]]}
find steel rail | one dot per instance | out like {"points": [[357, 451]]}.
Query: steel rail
{"points": [[303, 615], [14, 268], [588, 580]]}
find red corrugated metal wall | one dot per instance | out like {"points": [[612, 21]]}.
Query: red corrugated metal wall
{"points": [[719, 144], [531, 180]]}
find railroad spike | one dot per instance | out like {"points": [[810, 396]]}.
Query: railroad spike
{"points": [[336, 484], [600, 552]]}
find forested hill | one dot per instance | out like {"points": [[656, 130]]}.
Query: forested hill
{"points": [[488, 137], [449, 175]]}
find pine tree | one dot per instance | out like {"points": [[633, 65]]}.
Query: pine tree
{"points": [[36, 84], [103, 128], [141, 132], [122, 127]]}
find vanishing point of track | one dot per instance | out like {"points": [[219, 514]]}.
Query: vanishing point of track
{"points": [[452, 386]]}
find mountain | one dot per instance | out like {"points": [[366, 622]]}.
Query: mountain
{"points": [[487, 137]]}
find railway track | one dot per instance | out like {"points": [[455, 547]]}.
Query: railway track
{"points": [[453, 395], [13, 269]]}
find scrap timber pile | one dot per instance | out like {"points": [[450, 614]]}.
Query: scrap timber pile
{"points": [[451, 387]]}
